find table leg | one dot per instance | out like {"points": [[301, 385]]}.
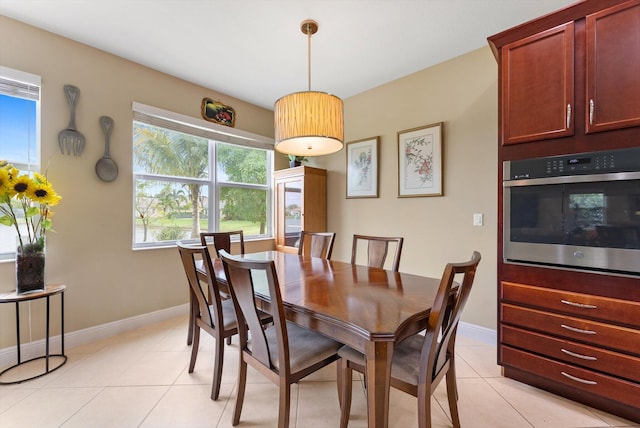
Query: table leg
{"points": [[18, 331], [46, 352], [62, 323], [378, 356]]}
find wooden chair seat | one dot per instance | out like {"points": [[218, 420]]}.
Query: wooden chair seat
{"points": [[420, 362], [283, 353], [218, 318]]}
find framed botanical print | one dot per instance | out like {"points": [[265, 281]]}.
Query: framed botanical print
{"points": [[420, 167], [362, 168]]}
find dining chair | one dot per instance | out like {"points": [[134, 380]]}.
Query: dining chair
{"points": [[219, 241], [217, 318], [284, 352], [421, 361], [377, 250], [222, 240], [316, 244]]}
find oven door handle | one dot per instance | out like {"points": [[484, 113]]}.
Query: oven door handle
{"points": [[590, 178]]}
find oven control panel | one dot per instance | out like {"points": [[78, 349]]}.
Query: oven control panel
{"points": [[623, 160]]}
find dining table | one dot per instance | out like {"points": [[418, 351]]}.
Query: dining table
{"points": [[369, 309]]}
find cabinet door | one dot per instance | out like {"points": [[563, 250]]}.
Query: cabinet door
{"points": [[537, 86], [289, 212], [613, 68]]}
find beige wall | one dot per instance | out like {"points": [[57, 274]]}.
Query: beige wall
{"points": [[91, 249], [462, 93]]}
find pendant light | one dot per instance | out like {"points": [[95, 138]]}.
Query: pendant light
{"points": [[308, 123]]}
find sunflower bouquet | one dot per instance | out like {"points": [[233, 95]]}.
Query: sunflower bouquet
{"points": [[27, 198]]}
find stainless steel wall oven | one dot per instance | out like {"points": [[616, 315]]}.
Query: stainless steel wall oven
{"points": [[580, 211]]}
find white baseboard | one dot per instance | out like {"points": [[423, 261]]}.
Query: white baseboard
{"points": [[8, 356], [482, 334], [91, 334]]}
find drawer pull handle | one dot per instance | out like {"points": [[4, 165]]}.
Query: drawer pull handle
{"points": [[577, 330], [577, 379], [583, 357], [578, 305]]}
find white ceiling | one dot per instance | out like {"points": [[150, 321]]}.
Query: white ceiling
{"points": [[254, 50]]}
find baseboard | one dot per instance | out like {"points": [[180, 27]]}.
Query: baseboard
{"points": [[8, 356], [482, 334], [91, 334]]}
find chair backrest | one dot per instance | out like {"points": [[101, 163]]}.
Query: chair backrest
{"points": [[316, 244], [445, 313], [377, 249], [189, 255], [222, 240], [241, 286]]}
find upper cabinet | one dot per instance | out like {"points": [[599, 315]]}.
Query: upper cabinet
{"points": [[613, 68], [598, 51], [537, 86]]}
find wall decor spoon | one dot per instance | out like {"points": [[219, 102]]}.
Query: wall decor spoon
{"points": [[106, 168]]}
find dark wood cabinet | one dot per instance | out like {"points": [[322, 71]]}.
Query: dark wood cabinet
{"points": [[540, 74], [537, 86], [613, 68], [301, 204], [569, 82]]}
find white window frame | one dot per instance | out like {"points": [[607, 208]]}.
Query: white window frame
{"points": [[20, 84], [214, 133]]}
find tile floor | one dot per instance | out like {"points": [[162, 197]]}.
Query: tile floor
{"points": [[140, 379]]}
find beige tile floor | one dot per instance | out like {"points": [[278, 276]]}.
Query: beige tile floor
{"points": [[140, 379]]}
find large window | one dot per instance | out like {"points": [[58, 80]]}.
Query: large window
{"points": [[191, 176], [19, 134]]}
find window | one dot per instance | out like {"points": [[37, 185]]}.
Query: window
{"points": [[191, 176], [19, 133]]}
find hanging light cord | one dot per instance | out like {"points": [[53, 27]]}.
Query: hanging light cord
{"points": [[309, 52]]}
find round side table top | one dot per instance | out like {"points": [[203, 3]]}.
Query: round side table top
{"points": [[50, 290]]}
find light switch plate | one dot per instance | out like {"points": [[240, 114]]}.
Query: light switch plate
{"points": [[478, 219]]}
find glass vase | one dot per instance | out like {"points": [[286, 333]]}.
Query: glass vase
{"points": [[30, 261]]}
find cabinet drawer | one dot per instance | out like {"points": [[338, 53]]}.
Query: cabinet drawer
{"points": [[575, 377], [590, 332], [585, 305], [614, 363]]}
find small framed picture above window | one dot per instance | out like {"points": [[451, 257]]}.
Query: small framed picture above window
{"points": [[362, 168]]}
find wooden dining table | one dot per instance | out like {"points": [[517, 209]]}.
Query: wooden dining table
{"points": [[369, 309]]}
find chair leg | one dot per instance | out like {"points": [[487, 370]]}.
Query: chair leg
{"points": [[345, 381], [218, 361], [424, 408], [194, 348], [452, 396], [242, 383], [192, 320], [284, 405]]}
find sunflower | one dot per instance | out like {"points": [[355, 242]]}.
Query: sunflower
{"points": [[5, 182], [21, 185], [42, 192], [32, 196]]}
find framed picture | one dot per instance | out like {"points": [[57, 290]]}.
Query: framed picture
{"points": [[215, 111], [362, 168], [420, 161]]}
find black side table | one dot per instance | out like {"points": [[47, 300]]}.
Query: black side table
{"points": [[13, 297]]}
